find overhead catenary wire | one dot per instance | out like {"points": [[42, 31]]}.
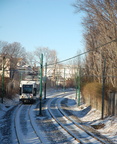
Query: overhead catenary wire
{"points": [[83, 53]]}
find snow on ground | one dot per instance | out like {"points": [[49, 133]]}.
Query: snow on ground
{"points": [[93, 117], [7, 104], [84, 112]]}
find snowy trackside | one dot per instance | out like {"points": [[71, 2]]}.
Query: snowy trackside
{"points": [[6, 120], [93, 117], [85, 113], [8, 104]]}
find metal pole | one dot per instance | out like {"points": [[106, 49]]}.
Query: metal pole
{"points": [[45, 80], [41, 74], [79, 86], [20, 76], [64, 81], [103, 87], [57, 81], [3, 79]]}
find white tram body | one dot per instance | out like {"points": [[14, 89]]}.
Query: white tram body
{"points": [[28, 91]]}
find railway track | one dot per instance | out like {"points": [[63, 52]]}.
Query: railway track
{"points": [[65, 110], [51, 131], [24, 126], [54, 126], [81, 135], [26, 129]]}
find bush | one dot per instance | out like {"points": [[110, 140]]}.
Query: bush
{"points": [[11, 87], [92, 93]]}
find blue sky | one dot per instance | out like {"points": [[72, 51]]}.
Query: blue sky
{"points": [[42, 23]]}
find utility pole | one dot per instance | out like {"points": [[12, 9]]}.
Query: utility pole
{"points": [[57, 81], [76, 83], [79, 75], [20, 76], [3, 63], [41, 75], [76, 86], [103, 87], [64, 81], [45, 80]]}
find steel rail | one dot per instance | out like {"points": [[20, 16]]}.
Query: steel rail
{"points": [[77, 124], [70, 132], [55, 119], [97, 135], [17, 127], [38, 134]]}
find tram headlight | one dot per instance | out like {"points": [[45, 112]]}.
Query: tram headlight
{"points": [[31, 96]]}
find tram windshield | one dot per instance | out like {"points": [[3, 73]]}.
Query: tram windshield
{"points": [[27, 88]]}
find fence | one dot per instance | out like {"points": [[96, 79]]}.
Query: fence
{"points": [[112, 104]]}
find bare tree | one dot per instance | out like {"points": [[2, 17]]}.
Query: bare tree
{"points": [[9, 56], [100, 23], [11, 53], [31, 58], [50, 56]]}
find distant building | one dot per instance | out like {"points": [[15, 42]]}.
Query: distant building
{"points": [[60, 73], [14, 66]]}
